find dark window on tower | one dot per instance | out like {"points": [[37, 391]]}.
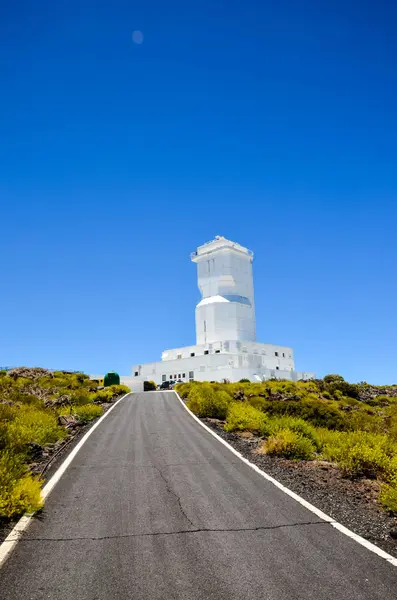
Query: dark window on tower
{"points": [[217, 351], [136, 373], [192, 354], [206, 351], [284, 354], [183, 375], [276, 354], [277, 368]]}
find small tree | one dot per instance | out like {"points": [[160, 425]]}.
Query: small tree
{"points": [[332, 378]]}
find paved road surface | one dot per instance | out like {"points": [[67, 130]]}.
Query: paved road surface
{"points": [[153, 507]]}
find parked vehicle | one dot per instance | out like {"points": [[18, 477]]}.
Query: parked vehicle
{"points": [[165, 385]]}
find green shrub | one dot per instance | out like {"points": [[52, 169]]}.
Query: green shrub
{"points": [[289, 444], [361, 460], [19, 491], [243, 417], [258, 402], [360, 453], [184, 389], [319, 413], [379, 401], [298, 426], [119, 390], [361, 420], [205, 402], [332, 378], [102, 396], [32, 425], [388, 496], [80, 397], [87, 412], [244, 381], [347, 389], [110, 393]]}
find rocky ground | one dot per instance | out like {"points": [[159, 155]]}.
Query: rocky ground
{"points": [[353, 503]]}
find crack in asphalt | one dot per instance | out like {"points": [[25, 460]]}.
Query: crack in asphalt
{"points": [[152, 466], [179, 532], [173, 493]]}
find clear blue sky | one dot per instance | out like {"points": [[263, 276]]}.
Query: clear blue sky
{"points": [[271, 123]]}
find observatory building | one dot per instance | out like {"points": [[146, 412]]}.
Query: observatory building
{"points": [[226, 346]]}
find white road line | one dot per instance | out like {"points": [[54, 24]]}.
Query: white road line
{"points": [[9, 543], [302, 501]]}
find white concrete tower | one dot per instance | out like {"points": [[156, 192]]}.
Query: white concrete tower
{"points": [[227, 310]]}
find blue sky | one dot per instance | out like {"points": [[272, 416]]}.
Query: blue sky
{"points": [[273, 124]]}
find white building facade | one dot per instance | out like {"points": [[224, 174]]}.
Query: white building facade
{"points": [[226, 346]]}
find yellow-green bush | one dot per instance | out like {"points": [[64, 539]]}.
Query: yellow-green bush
{"points": [[289, 444], [19, 491], [30, 424], [206, 402], [184, 389], [243, 417], [298, 426], [87, 412], [360, 453], [388, 496], [109, 393]]}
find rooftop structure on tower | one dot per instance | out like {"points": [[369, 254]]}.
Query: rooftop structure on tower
{"points": [[226, 346]]}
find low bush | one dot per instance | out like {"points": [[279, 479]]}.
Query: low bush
{"points": [[289, 444], [183, 389], [258, 402], [381, 400], [205, 402], [110, 393], [332, 378], [347, 389], [80, 397], [87, 412], [319, 413], [298, 426], [19, 491], [360, 453], [388, 496], [243, 417], [30, 424]]}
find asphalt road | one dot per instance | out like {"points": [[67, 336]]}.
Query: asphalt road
{"points": [[153, 507]]}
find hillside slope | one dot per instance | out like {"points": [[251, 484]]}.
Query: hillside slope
{"points": [[39, 410]]}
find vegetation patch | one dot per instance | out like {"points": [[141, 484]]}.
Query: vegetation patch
{"points": [[289, 444], [354, 426], [33, 406]]}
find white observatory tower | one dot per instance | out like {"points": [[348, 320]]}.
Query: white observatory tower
{"points": [[226, 346], [226, 311]]}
